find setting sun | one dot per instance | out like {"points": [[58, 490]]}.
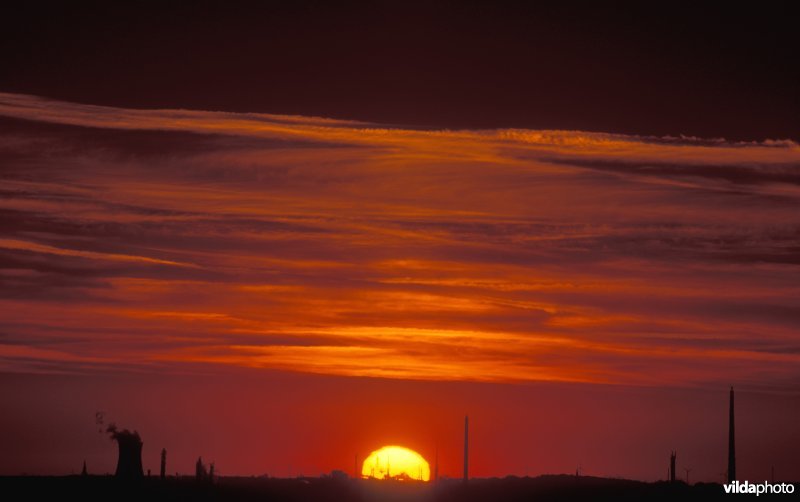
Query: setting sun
{"points": [[396, 462]]}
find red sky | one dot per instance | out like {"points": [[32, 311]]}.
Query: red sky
{"points": [[280, 293]]}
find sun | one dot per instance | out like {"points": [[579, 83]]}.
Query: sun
{"points": [[396, 462]]}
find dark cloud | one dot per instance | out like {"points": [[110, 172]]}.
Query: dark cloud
{"points": [[737, 174]]}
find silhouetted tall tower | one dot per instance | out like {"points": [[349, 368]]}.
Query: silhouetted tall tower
{"points": [[163, 463], [436, 467], [731, 445], [672, 466], [466, 448], [200, 472], [84, 472]]}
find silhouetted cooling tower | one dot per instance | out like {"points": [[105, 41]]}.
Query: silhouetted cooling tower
{"points": [[129, 464], [466, 448]]}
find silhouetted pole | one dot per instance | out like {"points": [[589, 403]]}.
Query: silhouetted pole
{"points": [[163, 463], [672, 466], [731, 445], [436, 467], [355, 468], [466, 448], [84, 472], [687, 474]]}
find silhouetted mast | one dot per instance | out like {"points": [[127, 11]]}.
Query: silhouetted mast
{"points": [[436, 467], [163, 463], [466, 448], [672, 466], [731, 445]]}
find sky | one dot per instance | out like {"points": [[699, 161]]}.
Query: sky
{"points": [[291, 282], [679, 67]]}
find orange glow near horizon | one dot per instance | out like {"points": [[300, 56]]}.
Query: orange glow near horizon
{"points": [[396, 462]]}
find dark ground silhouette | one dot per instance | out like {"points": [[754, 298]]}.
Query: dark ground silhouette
{"points": [[245, 489]]}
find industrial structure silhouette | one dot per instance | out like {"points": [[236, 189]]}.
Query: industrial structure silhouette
{"points": [[129, 467], [672, 457], [466, 448], [731, 444], [129, 463]]}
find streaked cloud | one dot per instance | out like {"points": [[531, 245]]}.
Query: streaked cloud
{"points": [[167, 239]]}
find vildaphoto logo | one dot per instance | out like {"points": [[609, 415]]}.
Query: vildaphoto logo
{"points": [[758, 488]]}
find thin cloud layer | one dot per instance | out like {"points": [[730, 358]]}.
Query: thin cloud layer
{"points": [[164, 240]]}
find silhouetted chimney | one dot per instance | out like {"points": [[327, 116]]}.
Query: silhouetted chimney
{"points": [[436, 467], [163, 463], [129, 464], [731, 445], [672, 466], [466, 448], [84, 472], [200, 471]]}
